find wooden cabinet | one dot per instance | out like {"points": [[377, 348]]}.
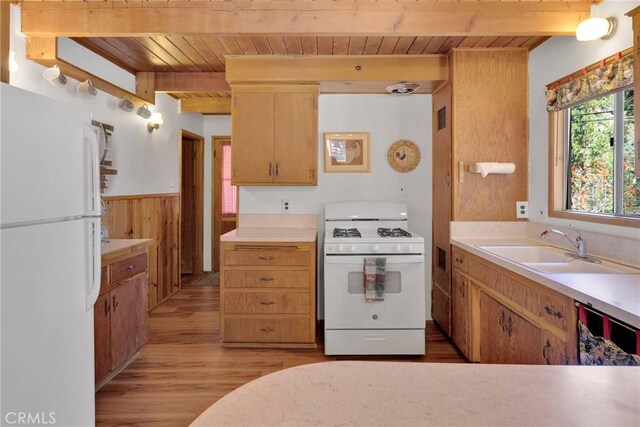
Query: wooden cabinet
{"points": [[275, 135], [120, 315], [480, 115], [267, 294], [501, 317]]}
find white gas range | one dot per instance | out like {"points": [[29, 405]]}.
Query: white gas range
{"points": [[354, 325]]}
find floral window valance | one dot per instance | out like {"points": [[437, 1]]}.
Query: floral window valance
{"points": [[584, 85]]}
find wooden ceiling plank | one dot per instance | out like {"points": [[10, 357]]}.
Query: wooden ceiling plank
{"points": [[434, 45], [325, 45], [319, 68], [190, 82], [206, 105], [101, 47], [262, 45], [319, 17], [277, 45], [340, 45], [194, 55], [517, 41], [153, 47], [450, 43], [356, 45], [537, 41], [469, 41], [229, 42], [309, 45], [502, 41], [216, 46], [168, 43], [372, 45], [403, 45], [205, 52], [246, 45], [387, 45], [418, 45], [485, 41], [294, 47], [134, 49]]}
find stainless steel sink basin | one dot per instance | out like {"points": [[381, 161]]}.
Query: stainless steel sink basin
{"points": [[547, 259]]}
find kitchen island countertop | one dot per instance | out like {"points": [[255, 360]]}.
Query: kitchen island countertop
{"points": [[399, 393]]}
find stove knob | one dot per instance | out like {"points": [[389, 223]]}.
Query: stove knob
{"points": [[374, 248], [352, 248], [340, 248], [397, 248]]}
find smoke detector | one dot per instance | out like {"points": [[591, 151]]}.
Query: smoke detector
{"points": [[402, 88]]}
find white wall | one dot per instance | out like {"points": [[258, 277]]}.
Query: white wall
{"points": [[555, 59], [147, 163], [387, 118], [213, 126]]}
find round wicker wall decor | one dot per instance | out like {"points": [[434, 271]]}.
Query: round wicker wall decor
{"points": [[403, 155]]}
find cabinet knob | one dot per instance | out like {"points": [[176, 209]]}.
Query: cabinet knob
{"points": [[130, 267], [266, 258], [267, 279], [114, 302], [549, 311], [107, 308], [265, 329], [266, 303]]}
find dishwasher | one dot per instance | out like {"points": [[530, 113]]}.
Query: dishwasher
{"points": [[606, 341]]}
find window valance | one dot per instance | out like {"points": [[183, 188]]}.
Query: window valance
{"points": [[607, 76]]}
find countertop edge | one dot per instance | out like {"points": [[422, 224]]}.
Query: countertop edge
{"points": [[303, 235], [134, 244]]}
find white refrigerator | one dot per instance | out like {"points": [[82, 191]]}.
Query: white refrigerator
{"points": [[49, 260]]}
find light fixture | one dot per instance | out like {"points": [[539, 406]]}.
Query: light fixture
{"points": [[87, 88], [13, 64], [402, 88], [144, 112], [126, 104], [54, 76], [154, 122], [595, 28]]}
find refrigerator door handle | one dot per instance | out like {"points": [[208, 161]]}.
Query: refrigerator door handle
{"points": [[94, 171], [95, 258]]}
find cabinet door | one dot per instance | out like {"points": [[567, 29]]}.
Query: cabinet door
{"points": [[102, 333], [459, 312], [129, 324], [295, 138], [441, 308], [252, 138]]}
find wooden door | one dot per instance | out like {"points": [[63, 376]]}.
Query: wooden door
{"points": [[129, 325], [223, 222], [102, 334], [441, 248], [459, 312], [295, 138], [188, 207], [252, 136]]}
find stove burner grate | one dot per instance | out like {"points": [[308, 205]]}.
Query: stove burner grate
{"points": [[346, 232], [395, 232]]}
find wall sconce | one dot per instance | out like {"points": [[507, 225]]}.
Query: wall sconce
{"points": [[126, 104], [595, 28], [154, 122], [144, 112], [54, 76], [87, 88]]}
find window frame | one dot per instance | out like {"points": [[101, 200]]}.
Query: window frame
{"points": [[558, 176]]}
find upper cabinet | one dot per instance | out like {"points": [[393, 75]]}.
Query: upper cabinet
{"points": [[274, 134]]}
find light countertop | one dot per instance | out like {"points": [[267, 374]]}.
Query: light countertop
{"points": [[113, 248], [249, 234], [615, 294], [412, 394]]}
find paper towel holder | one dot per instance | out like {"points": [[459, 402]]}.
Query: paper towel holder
{"points": [[473, 168]]}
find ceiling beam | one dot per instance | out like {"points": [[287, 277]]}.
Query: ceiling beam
{"points": [[335, 68], [318, 17], [191, 82], [44, 51], [206, 105]]}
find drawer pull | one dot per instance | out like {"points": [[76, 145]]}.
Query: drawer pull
{"points": [[267, 279], [459, 260], [266, 258], [545, 352], [130, 267], [107, 308], [267, 302], [115, 302], [265, 329], [509, 326], [501, 321], [549, 311]]}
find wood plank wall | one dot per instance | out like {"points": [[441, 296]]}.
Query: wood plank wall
{"points": [[490, 114], [151, 216]]}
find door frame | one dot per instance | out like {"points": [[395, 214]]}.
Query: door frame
{"points": [[216, 193], [198, 164]]}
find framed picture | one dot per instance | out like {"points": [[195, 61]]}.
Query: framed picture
{"points": [[346, 152]]}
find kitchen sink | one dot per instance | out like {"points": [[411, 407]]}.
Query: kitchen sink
{"points": [[547, 259]]}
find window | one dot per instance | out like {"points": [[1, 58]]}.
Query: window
{"points": [[229, 192], [598, 157]]}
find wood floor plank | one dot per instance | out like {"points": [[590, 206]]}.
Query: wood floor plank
{"points": [[182, 370]]}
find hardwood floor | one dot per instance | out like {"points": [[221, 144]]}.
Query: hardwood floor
{"points": [[183, 369]]}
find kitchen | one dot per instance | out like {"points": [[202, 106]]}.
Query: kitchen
{"points": [[147, 165]]}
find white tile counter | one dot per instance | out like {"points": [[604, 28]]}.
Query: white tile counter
{"points": [[419, 394]]}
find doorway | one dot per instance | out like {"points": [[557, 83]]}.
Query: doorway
{"points": [[191, 205], [225, 196]]}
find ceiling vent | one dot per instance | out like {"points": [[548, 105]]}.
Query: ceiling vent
{"points": [[402, 88]]}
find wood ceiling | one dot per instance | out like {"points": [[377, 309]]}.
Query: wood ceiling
{"points": [[206, 53]]}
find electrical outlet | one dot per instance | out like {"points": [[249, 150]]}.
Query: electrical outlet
{"points": [[522, 209], [285, 205], [402, 190]]}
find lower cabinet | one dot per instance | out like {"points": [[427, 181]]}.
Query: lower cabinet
{"points": [[120, 317], [460, 312]]}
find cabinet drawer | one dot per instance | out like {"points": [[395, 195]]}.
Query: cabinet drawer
{"points": [[266, 279], [128, 267], [554, 311], [266, 302], [104, 277], [266, 329], [267, 257], [459, 261]]}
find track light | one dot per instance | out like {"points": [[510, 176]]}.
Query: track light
{"points": [[154, 122], [54, 76], [144, 112], [126, 104]]}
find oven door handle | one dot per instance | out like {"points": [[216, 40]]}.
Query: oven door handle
{"points": [[359, 259]]}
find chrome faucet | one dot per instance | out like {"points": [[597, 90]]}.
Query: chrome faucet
{"points": [[580, 245]]}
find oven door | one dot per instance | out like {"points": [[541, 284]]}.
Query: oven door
{"points": [[403, 306]]}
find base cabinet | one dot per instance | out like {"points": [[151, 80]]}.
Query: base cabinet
{"points": [[459, 312]]}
